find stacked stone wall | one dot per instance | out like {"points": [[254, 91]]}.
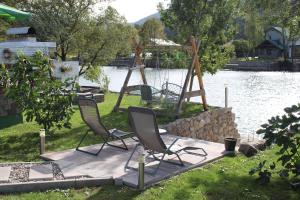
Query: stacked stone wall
{"points": [[213, 125]]}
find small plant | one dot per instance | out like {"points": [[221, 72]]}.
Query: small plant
{"points": [[283, 131], [42, 98]]}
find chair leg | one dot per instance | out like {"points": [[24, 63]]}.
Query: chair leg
{"points": [[127, 163], [189, 149], [124, 144], [91, 153], [160, 160], [168, 161]]}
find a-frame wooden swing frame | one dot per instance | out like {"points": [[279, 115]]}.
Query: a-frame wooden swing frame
{"points": [[193, 70]]}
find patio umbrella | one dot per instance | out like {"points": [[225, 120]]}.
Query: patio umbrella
{"points": [[10, 13]]}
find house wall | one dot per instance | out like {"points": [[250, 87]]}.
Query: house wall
{"points": [[294, 52], [274, 36], [269, 52]]}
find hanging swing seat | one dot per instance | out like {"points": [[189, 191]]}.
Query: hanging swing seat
{"points": [[171, 92], [150, 94]]}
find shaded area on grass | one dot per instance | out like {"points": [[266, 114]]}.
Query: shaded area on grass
{"points": [[10, 120]]}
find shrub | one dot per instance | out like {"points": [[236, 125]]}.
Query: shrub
{"points": [[42, 98], [283, 131], [242, 48]]}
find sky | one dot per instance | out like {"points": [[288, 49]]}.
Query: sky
{"points": [[134, 10]]}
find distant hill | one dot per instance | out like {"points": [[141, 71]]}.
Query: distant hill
{"points": [[143, 20]]}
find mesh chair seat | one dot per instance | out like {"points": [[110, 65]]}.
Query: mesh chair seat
{"points": [[118, 133], [90, 115]]}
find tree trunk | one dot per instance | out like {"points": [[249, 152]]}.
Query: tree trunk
{"points": [[63, 53], [285, 56]]}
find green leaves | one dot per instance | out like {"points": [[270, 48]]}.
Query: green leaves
{"points": [[39, 95], [208, 21], [283, 131]]}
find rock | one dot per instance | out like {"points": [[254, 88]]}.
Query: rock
{"points": [[259, 144], [247, 149]]}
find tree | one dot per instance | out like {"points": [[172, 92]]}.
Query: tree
{"points": [[40, 96], [59, 20], [209, 21], [152, 28], [254, 24], [102, 38], [95, 39]]}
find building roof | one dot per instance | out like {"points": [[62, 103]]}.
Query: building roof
{"points": [[162, 42], [278, 29]]}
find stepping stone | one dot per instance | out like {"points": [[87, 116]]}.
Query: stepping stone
{"points": [[41, 172], [4, 174]]}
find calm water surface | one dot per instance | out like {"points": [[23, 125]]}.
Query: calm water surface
{"points": [[254, 96]]}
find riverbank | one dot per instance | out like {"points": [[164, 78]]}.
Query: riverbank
{"points": [[263, 65]]}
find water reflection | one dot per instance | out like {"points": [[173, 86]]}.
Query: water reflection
{"points": [[254, 96]]}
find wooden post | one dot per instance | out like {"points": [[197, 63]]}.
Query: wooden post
{"points": [[137, 62], [194, 69], [197, 66], [191, 85]]}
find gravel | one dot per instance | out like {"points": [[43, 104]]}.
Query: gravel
{"points": [[20, 172]]}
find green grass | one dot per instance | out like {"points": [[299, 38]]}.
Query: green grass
{"points": [[225, 179], [20, 140]]}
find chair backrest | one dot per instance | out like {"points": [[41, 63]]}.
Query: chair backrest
{"points": [[143, 122], [90, 115]]}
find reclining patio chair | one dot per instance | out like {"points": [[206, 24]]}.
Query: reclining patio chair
{"points": [[90, 115], [144, 125]]}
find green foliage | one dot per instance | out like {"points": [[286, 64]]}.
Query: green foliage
{"points": [[151, 29], [175, 60], [242, 47], [59, 20], [78, 32], [283, 131], [30, 84], [208, 21], [97, 75], [102, 38]]}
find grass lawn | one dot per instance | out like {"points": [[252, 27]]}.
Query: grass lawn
{"points": [[225, 179], [20, 140]]}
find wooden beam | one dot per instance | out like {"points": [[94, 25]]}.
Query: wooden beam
{"points": [[132, 88], [185, 85], [195, 93], [191, 84], [137, 67], [197, 66], [137, 64]]}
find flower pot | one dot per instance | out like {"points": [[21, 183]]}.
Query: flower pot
{"points": [[230, 144]]}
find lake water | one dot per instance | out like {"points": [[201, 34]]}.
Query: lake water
{"points": [[254, 96]]}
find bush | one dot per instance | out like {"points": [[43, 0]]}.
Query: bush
{"points": [[176, 59], [242, 48], [37, 93], [283, 131]]}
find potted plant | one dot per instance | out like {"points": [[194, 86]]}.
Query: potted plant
{"points": [[230, 144]]}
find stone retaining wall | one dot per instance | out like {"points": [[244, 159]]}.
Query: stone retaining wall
{"points": [[213, 125], [7, 107]]}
